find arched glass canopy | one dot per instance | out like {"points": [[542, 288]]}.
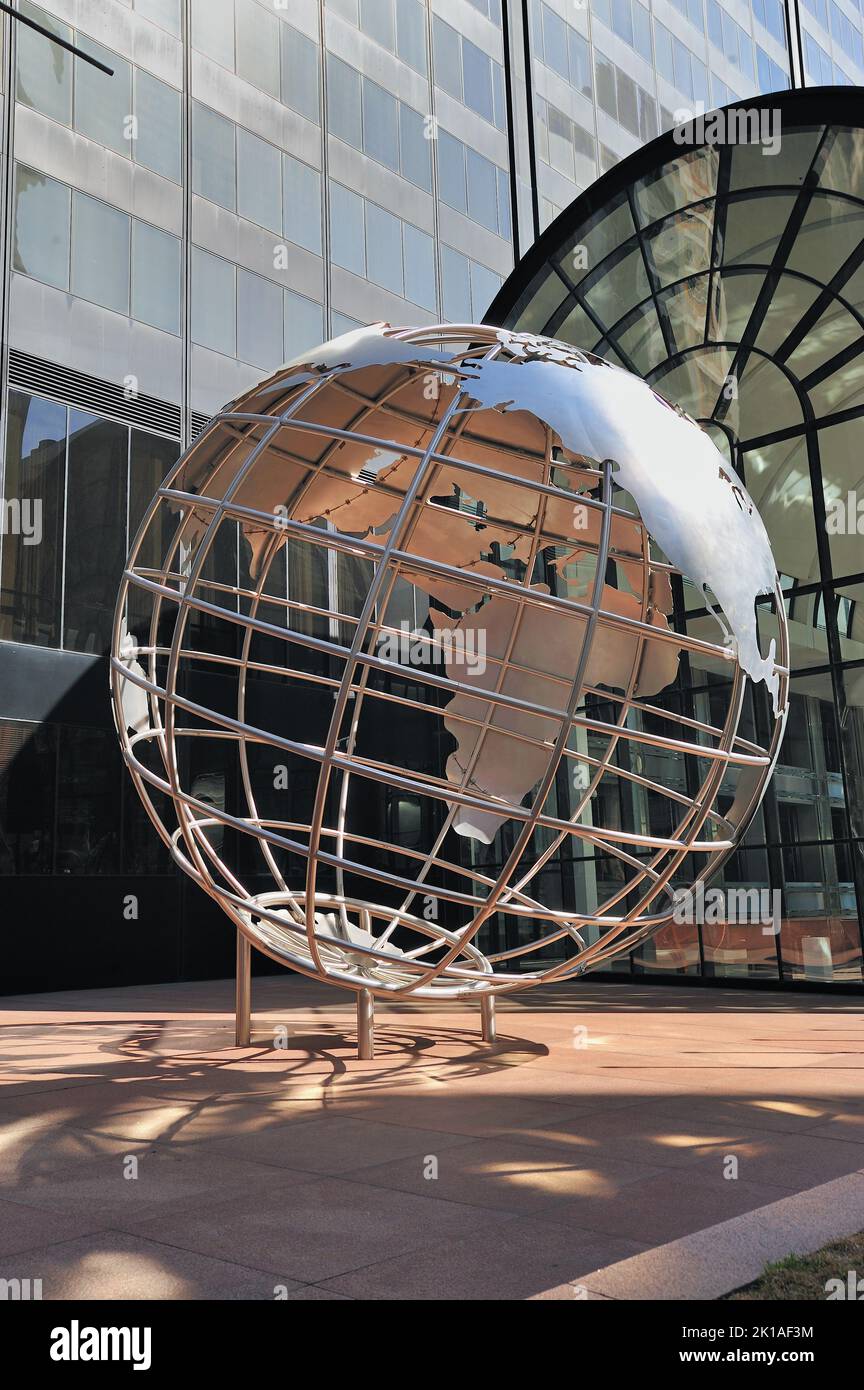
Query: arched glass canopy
{"points": [[732, 279]]}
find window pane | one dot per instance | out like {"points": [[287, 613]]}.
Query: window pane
{"points": [[100, 253], [376, 19], [213, 161], [28, 785], [485, 284], [258, 46], [213, 30], [213, 303], [304, 324], [347, 244], [259, 321], [455, 286], [103, 104], [411, 33], [164, 12], [384, 248], [88, 802], [380, 124], [33, 551], [343, 101], [499, 99], [157, 112], [44, 69], [477, 77], [419, 250], [555, 42], [482, 191], [95, 529], [149, 461], [349, 9], [302, 204], [259, 191], [415, 148], [448, 58], [155, 277], [42, 216], [300, 73], [451, 171], [504, 226]]}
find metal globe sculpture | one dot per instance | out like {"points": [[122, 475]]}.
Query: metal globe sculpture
{"points": [[400, 631]]}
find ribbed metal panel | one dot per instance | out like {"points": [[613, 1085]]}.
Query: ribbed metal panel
{"points": [[197, 421], [89, 393]]}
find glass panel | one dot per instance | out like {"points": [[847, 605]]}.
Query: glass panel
{"points": [[155, 277], [213, 30], [347, 239], [304, 324], [44, 70], [42, 227], [384, 248], [213, 303], [213, 157], [419, 267], [300, 74], [485, 284], [28, 782], [100, 253], [477, 79], [448, 58], [482, 191], [258, 46], [259, 193], [451, 171], [157, 112], [411, 33], [33, 546], [380, 124], [164, 12], [88, 802], [149, 462], [456, 287], [376, 19], [343, 102], [259, 320], [302, 204], [416, 162], [95, 529], [103, 104]]}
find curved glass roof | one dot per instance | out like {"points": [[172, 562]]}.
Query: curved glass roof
{"points": [[732, 279]]}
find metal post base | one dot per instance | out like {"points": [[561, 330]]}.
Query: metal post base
{"points": [[487, 1018], [243, 993], [365, 1025]]}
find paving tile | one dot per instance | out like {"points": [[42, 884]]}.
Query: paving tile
{"points": [[23, 1227], [318, 1228], [508, 1175], [114, 1265], [662, 1206], [520, 1259], [168, 1179]]}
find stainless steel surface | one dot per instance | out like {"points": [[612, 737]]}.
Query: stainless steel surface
{"points": [[368, 447]]}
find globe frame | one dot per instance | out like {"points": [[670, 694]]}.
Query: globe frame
{"points": [[326, 935]]}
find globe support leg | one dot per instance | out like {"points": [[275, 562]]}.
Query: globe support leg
{"points": [[487, 1018], [365, 1025], [243, 993]]}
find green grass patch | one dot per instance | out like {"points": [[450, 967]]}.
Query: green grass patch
{"points": [[803, 1278]]}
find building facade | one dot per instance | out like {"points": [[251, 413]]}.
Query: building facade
{"points": [[255, 176]]}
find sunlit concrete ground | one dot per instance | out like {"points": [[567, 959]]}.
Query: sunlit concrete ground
{"points": [[142, 1156]]}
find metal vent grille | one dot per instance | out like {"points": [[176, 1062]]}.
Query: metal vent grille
{"points": [[89, 393], [197, 421]]}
